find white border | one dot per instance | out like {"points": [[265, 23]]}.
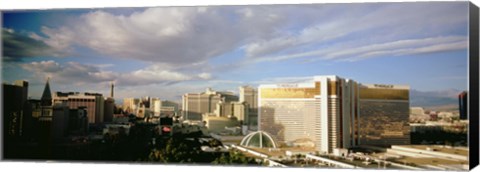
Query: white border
{"points": [[6, 5], [62, 4]]}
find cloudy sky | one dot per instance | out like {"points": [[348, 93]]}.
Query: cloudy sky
{"points": [[168, 51]]}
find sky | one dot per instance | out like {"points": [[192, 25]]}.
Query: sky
{"points": [[166, 52]]}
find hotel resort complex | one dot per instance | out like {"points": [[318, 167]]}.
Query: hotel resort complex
{"points": [[331, 112]]}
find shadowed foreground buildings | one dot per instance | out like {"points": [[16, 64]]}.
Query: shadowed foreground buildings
{"points": [[332, 112], [15, 113]]}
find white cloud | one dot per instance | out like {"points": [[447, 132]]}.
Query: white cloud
{"points": [[19, 45], [74, 73], [369, 24], [395, 48], [9, 30], [102, 66], [180, 36], [43, 66], [152, 75], [205, 75], [71, 73], [59, 39], [274, 45], [175, 35], [276, 80], [401, 47]]}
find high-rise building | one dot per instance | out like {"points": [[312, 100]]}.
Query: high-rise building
{"points": [[249, 95], [331, 112], [463, 105], [142, 111], [167, 111], [318, 113], [60, 120], [145, 102], [78, 121], [157, 105], [241, 111], [24, 89], [130, 105], [196, 104], [169, 108], [109, 105], [94, 103], [14, 102], [111, 90], [224, 109], [384, 114], [63, 122]]}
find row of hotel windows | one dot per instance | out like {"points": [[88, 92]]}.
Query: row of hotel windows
{"points": [[364, 93], [79, 100], [300, 92]]}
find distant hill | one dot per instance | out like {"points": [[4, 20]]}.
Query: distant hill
{"points": [[445, 99], [449, 107]]}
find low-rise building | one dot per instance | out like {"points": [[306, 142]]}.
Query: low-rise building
{"points": [[434, 157], [219, 124]]}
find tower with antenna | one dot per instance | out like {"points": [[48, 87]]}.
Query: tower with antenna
{"points": [[111, 89]]}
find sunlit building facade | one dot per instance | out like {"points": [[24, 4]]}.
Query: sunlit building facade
{"points": [[94, 103], [249, 96], [320, 112], [384, 114], [156, 105], [332, 112], [130, 105], [240, 111], [169, 108], [194, 105]]}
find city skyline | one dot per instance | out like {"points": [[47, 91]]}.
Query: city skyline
{"points": [[149, 51]]}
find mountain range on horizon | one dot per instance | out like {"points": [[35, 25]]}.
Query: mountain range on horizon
{"points": [[441, 98]]}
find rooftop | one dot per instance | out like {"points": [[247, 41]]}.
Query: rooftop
{"points": [[281, 151], [67, 94], [269, 151], [431, 161], [456, 151]]}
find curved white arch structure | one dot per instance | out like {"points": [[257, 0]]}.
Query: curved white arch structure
{"points": [[246, 140]]}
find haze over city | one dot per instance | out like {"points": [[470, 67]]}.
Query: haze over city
{"points": [[167, 52]]}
